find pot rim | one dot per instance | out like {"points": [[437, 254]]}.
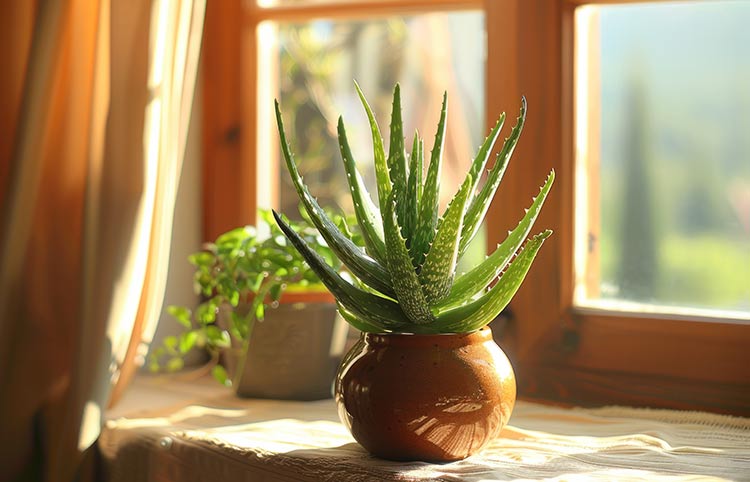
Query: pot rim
{"points": [[444, 340]]}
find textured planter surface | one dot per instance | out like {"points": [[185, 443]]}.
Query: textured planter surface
{"points": [[294, 353], [425, 397]]}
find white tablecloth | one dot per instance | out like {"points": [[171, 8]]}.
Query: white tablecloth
{"points": [[165, 430]]}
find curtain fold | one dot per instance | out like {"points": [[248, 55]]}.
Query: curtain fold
{"points": [[86, 214]]}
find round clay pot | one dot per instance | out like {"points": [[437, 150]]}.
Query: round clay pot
{"points": [[433, 398]]}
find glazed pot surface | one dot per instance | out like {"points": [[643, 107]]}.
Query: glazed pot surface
{"points": [[425, 397]]}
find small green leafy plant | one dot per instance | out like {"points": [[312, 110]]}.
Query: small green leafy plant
{"points": [[241, 274], [405, 280]]}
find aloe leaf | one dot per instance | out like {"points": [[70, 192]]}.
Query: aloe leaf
{"points": [[368, 215], [397, 158], [476, 314], [481, 203], [419, 168], [404, 279], [366, 326], [439, 266], [475, 281], [371, 306], [412, 193], [360, 322], [362, 266], [382, 177], [428, 206], [483, 154]]}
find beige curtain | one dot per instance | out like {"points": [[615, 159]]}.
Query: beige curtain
{"points": [[96, 99]]}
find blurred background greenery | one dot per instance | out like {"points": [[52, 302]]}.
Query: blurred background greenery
{"points": [[675, 154]]}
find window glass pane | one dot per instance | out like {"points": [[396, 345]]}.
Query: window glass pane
{"points": [[663, 102], [427, 54]]}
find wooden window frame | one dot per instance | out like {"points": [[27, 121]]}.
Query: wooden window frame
{"points": [[565, 353], [560, 352], [231, 108]]}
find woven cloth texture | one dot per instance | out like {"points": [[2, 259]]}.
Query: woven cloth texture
{"points": [[191, 431]]}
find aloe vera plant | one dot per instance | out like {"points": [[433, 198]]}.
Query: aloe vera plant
{"points": [[405, 280]]}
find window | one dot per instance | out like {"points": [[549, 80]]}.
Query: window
{"points": [[311, 67], [665, 222], [567, 342], [317, 62], [594, 354]]}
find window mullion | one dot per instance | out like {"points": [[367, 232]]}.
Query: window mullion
{"points": [[356, 9]]}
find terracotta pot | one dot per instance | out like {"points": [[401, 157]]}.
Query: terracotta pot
{"points": [[425, 397]]}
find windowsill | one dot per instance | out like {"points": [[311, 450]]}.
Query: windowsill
{"points": [[165, 429]]}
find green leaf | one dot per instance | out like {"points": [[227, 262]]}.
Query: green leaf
{"points": [[202, 258], [206, 312], [181, 314], [405, 280], [345, 225], [476, 314], [257, 281], [175, 364], [366, 326], [187, 341], [276, 291], [228, 288], [428, 206], [481, 203], [382, 177], [476, 280], [220, 375], [397, 158], [204, 283], [260, 312], [311, 277], [234, 298], [218, 337], [368, 215], [414, 190], [237, 326], [170, 343], [362, 303], [236, 237], [483, 154], [266, 216], [363, 267], [439, 266]]}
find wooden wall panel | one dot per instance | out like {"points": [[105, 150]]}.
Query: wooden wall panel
{"points": [[228, 181]]}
